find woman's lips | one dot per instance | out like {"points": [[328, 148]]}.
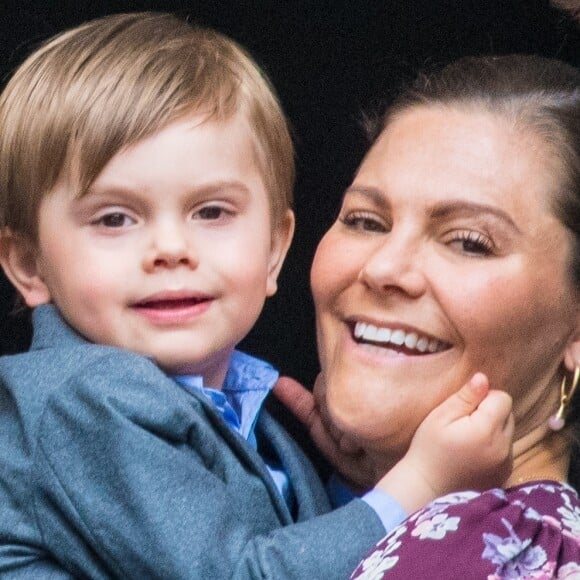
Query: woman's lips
{"points": [[397, 339]]}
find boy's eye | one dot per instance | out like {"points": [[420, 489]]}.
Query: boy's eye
{"points": [[212, 213], [115, 219], [363, 221]]}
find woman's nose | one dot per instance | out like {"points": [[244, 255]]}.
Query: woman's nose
{"points": [[395, 266], [169, 248]]}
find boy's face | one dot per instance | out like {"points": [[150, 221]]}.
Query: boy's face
{"points": [[171, 253]]}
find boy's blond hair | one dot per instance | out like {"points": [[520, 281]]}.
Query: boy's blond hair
{"points": [[94, 90]]}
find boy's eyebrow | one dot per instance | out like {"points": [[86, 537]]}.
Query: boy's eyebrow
{"points": [[225, 184], [97, 188]]}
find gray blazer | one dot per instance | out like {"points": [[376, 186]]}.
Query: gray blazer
{"points": [[110, 470]]}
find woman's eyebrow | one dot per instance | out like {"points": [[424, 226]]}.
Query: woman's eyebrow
{"points": [[461, 207], [373, 194]]}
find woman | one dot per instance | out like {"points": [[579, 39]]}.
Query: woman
{"points": [[457, 249]]}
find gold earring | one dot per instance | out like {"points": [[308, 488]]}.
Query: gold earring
{"points": [[557, 421]]}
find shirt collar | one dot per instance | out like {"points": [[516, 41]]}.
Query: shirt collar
{"points": [[248, 381]]}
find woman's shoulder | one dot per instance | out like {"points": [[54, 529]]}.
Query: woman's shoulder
{"points": [[528, 531]]}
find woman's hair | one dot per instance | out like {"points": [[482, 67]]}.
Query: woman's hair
{"points": [[101, 87], [532, 93]]}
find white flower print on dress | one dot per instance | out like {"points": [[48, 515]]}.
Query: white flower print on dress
{"points": [[441, 505], [540, 538], [533, 514], [436, 528], [570, 571], [550, 488], [516, 559], [570, 516], [382, 559]]}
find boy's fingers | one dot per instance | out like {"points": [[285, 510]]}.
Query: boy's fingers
{"points": [[466, 400], [300, 401], [319, 393], [297, 399], [496, 408]]}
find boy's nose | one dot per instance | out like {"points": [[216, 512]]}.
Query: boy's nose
{"points": [[170, 249]]}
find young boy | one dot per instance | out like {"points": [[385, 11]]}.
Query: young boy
{"points": [[146, 173]]}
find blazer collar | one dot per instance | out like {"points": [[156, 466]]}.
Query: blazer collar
{"points": [[51, 330]]}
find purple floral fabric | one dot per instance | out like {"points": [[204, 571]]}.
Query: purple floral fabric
{"points": [[531, 531]]}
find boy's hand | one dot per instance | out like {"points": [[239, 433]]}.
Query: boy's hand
{"points": [[349, 459], [464, 443]]}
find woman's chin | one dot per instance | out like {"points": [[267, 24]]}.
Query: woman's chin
{"points": [[371, 422]]}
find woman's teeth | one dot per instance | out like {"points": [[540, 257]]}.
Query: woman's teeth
{"points": [[411, 340]]}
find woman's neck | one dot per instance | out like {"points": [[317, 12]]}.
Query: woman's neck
{"points": [[540, 454]]}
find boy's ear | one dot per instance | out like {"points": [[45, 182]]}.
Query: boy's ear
{"points": [[281, 239], [18, 257]]}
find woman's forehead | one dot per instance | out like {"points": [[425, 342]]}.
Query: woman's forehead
{"points": [[437, 155]]}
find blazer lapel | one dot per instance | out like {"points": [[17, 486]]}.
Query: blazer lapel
{"points": [[311, 498]]}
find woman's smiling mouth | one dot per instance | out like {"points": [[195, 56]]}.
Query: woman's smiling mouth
{"points": [[412, 343]]}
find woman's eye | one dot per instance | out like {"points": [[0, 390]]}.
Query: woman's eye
{"points": [[473, 243], [115, 219], [212, 213], [363, 221]]}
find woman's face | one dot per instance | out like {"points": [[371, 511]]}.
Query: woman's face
{"points": [[446, 259]]}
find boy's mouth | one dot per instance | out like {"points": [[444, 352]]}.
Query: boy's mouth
{"points": [[173, 308], [170, 303]]}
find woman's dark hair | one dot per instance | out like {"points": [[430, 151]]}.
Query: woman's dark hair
{"points": [[532, 92], [535, 94]]}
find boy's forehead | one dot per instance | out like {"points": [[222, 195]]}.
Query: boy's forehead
{"points": [[88, 155], [224, 152]]}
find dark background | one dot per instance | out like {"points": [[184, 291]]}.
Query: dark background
{"points": [[329, 60]]}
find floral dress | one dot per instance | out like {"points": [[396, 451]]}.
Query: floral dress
{"points": [[525, 532]]}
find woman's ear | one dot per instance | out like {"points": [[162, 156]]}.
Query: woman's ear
{"points": [[18, 258], [572, 352], [281, 240]]}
